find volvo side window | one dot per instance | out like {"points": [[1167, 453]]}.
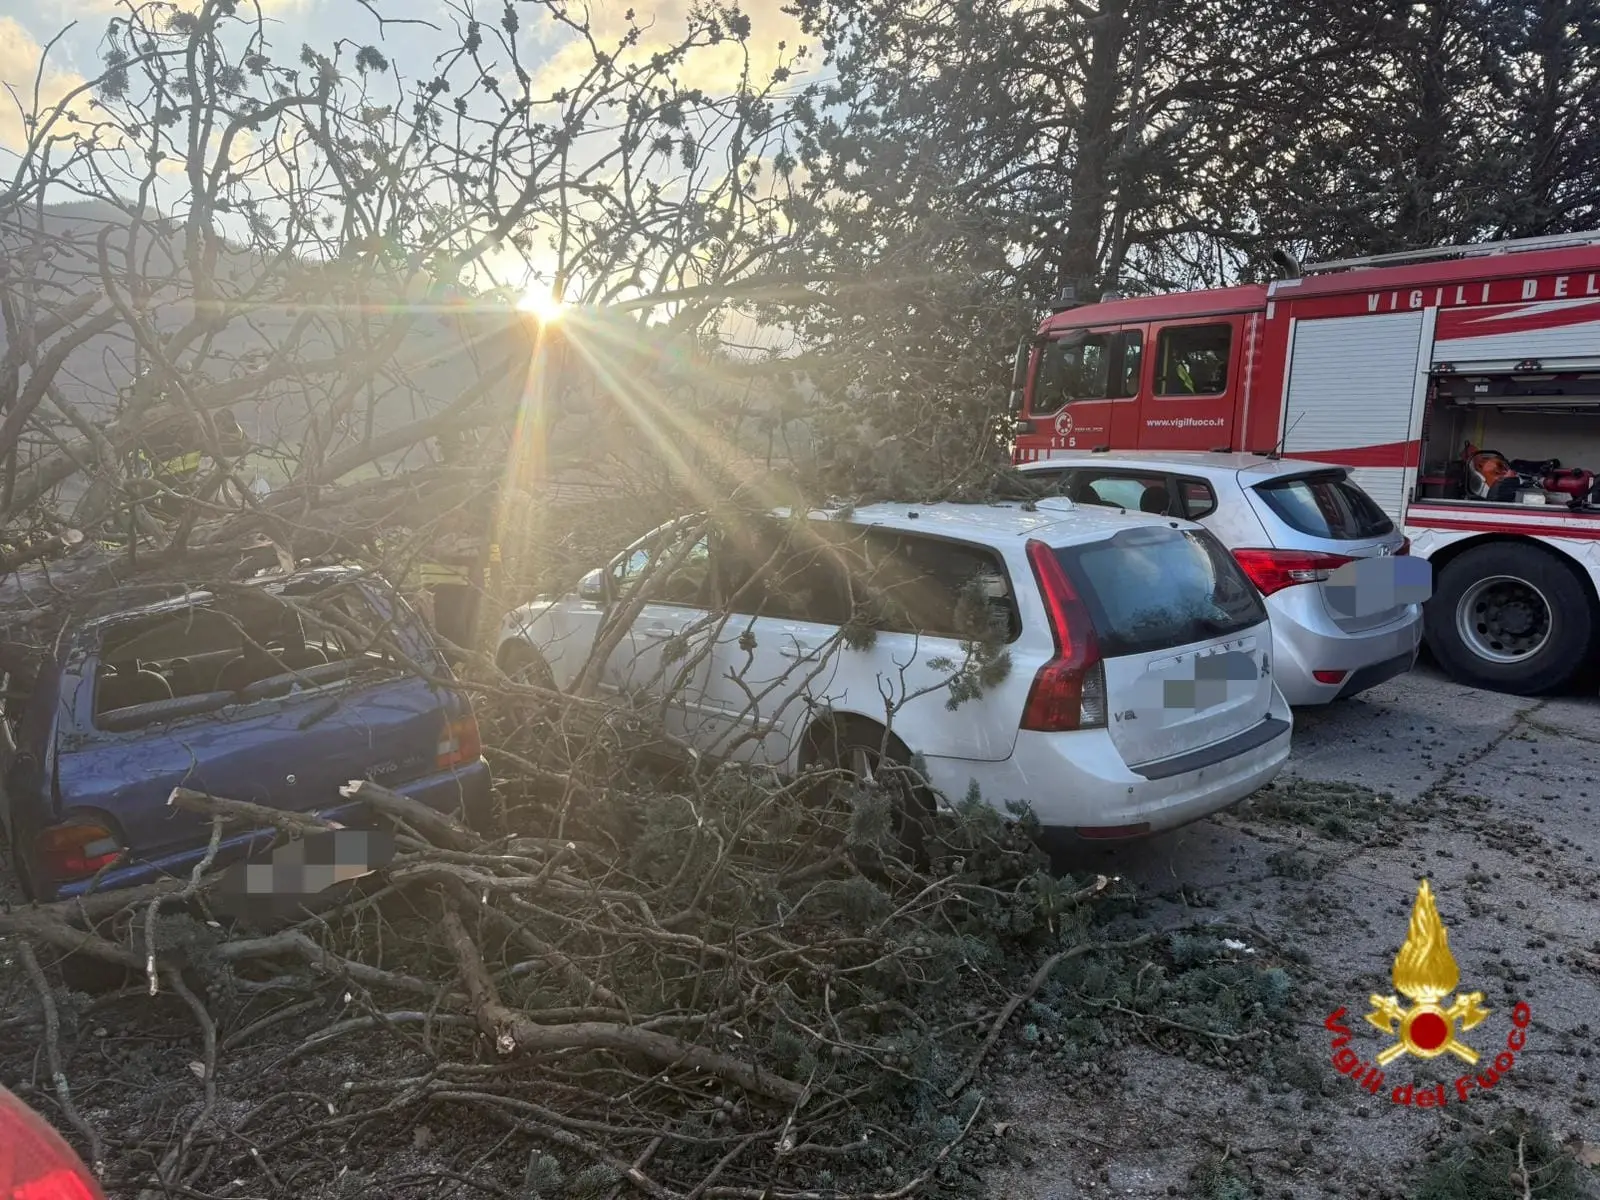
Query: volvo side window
{"points": [[931, 587], [784, 573], [685, 584]]}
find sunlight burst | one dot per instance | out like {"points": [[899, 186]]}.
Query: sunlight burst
{"points": [[541, 305]]}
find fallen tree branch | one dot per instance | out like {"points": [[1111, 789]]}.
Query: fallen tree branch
{"points": [[58, 1073], [260, 816], [558, 961], [433, 824], [513, 1033], [362, 1024], [293, 943], [1022, 997], [43, 925]]}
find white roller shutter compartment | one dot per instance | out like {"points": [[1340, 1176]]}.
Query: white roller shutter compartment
{"points": [[1352, 384]]}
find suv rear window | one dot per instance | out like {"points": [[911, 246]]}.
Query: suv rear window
{"points": [[1325, 506], [1158, 588]]}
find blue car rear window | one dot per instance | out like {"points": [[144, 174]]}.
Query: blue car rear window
{"points": [[190, 660]]}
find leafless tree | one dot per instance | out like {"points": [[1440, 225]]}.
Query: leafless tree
{"points": [[332, 252]]}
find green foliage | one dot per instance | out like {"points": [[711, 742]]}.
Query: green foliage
{"points": [[1200, 997], [1275, 988], [858, 633], [1341, 811], [792, 1053], [1215, 1179], [543, 1179], [1189, 950], [872, 813], [856, 900], [1517, 1157], [1227, 997], [593, 1182]]}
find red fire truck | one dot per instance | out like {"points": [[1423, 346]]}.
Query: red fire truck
{"points": [[1460, 386]]}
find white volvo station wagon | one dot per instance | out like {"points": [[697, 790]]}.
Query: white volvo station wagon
{"points": [[1113, 671]]}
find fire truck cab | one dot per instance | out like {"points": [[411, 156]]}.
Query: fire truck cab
{"points": [[1459, 386]]}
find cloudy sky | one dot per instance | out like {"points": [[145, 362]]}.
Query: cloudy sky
{"points": [[417, 31]]}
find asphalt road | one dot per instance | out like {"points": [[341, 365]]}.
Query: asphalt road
{"points": [[1495, 801]]}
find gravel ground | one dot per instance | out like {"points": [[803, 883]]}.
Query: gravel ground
{"points": [[1494, 802]]}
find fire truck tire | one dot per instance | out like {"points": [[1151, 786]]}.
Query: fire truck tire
{"points": [[1511, 618]]}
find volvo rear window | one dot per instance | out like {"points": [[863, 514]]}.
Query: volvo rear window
{"points": [[1158, 588], [1325, 506]]}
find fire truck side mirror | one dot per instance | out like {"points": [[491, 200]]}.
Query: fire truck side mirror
{"points": [[1019, 373]]}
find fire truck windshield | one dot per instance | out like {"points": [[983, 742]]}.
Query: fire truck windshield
{"points": [[1086, 366]]}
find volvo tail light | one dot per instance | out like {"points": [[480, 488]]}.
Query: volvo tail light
{"points": [[1273, 570], [460, 744], [76, 849], [1405, 547], [1069, 692], [35, 1162]]}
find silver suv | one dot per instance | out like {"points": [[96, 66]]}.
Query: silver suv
{"points": [[1344, 594]]}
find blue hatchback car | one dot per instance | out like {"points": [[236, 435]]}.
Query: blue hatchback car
{"points": [[279, 692]]}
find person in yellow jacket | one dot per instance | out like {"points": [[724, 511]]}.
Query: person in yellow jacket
{"points": [[455, 582], [1185, 377], [172, 454]]}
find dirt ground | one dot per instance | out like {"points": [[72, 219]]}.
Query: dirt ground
{"points": [[1494, 802]]}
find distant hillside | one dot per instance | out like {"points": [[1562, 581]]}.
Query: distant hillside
{"points": [[649, 399], [439, 357]]}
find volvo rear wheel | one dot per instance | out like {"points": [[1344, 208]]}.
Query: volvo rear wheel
{"points": [[524, 665], [868, 765]]}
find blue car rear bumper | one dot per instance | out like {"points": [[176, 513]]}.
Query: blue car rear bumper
{"points": [[465, 789]]}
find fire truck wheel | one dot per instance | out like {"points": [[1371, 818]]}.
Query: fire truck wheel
{"points": [[1510, 618]]}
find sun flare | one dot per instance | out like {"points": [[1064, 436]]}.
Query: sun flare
{"points": [[541, 305]]}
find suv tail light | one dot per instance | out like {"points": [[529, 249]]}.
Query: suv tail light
{"points": [[35, 1163], [1069, 692], [1405, 547], [1273, 570], [75, 851], [460, 744]]}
